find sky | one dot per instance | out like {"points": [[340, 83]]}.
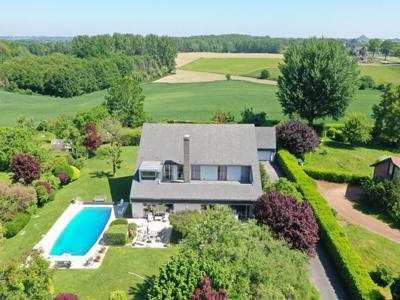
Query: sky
{"points": [[278, 18]]}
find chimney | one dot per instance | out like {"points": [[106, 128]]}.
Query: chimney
{"points": [[186, 158]]}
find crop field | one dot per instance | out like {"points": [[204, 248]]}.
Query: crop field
{"points": [[185, 101], [252, 67]]}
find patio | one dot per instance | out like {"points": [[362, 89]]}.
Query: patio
{"points": [[152, 233]]}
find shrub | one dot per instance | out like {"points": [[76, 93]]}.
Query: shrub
{"points": [[288, 219], [182, 221], [44, 184], [382, 276], [366, 82], [75, 174], [92, 140], [42, 195], [16, 198], [285, 187], [66, 169], [264, 74], [132, 229], [131, 136], [335, 176], [222, 117], [206, 292], [264, 176], [117, 235], [16, 224], [297, 137], [52, 180], [63, 178], [395, 289], [119, 221], [347, 261], [357, 129], [26, 167], [118, 295], [250, 117], [228, 76], [66, 296]]}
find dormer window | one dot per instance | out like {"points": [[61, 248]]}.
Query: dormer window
{"points": [[150, 170]]}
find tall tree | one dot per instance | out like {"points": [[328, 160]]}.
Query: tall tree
{"points": [[125, 100], [114, 154], [387, 47], [318, 80], [373, 46]]}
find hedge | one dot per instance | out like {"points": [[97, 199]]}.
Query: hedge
{"points": [[76, 173], [16, 224], [347, 261], [119, 221], [131, 136], [117, 235], [335, 176]]}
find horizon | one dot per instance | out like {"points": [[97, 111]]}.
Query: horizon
{"points": [[292, 19]]}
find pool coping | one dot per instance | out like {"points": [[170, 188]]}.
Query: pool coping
{"points": [[77, 261]]}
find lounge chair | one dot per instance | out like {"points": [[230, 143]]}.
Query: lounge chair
{"points": [[63, 264], [99, 199], [89, 262]]}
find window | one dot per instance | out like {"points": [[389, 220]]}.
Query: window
{"points": [[167, 173], [195, 172], [246, 174], [222, 173], [148, 174], [391, 169], [180, 172]]}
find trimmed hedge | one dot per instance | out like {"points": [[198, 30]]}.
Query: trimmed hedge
{"points": [[16, 224], [76, 173], [117, 235], [335, 176], [347, 261], [119, 221], [131, 136]]}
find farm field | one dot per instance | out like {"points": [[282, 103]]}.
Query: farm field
{"points": [[186, 101], [344, 157], [252, 67]]}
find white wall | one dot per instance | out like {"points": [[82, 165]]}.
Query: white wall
{"points": [[234, 173], [186, 206], [208, 173], [137, 210]]}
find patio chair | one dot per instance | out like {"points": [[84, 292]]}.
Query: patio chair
{"points": [[150, 217], [89, 261], [63, 264]]}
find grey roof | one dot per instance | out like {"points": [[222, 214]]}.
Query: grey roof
{"points": [[266, 137], [212, 144]]}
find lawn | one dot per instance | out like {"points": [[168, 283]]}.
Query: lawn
{"points": [[250, 67], [343, 157], [374, 249], [183, 101]]}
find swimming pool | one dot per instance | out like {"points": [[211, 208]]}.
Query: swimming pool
{"points": [[82, 232]]}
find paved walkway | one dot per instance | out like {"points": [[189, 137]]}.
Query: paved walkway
{"points": [[339, 197], [273, 170]]}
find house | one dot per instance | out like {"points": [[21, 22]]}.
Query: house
{"points": [[387, 168], [192, 166]]}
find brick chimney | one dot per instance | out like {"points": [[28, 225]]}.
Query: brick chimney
{"points": [[186, 158]]}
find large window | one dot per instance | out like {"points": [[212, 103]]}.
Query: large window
{"points": [[195, 172], [222, 173], [391, 169], [167, 173], [148, 174]]}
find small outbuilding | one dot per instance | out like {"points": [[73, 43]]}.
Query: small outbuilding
{"points": [[387, 168]]}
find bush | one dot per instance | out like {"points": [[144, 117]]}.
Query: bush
{"points": [[347, 261], [182, 221], [382, 276], [285, 187], [132, 230], [26, 167], [395, 289], [15, 198], [288, 219], [264, 74], [357, 129], [297, 137], [228, 76], [119, 221], [75, 174], [66, 169], [250, 117], [63, 178], [118, 295], [92, 140], [117, 235], [44, 184], [131, 136], [206, 292], [366, 82], [264, 176], [335, 176], [42, 195], [222, 117], [52, 180], [16, 224], [66, 296]]}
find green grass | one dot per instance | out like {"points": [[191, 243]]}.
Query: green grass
{"points": [[194, 101], [250, 67], [343, 157], [114, 273], [93, 181]]}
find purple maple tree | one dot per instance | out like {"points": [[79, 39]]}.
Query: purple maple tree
{"points": [[26, 167], [66, 296], [46, 185], [206, 292], [92, 141], [288, 219]]}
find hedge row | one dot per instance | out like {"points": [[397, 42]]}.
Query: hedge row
{"points": [[117, 235], [348, 263], [335, 176]]}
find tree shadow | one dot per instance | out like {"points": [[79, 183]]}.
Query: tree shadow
{"points": [[338, 145], [120, 187], [138, 292], [100, 174]]}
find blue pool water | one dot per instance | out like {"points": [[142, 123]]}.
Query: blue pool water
{"points": [[82, 231]]}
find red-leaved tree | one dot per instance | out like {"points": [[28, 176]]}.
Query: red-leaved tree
{"points": [[288, 219], [297, 137], [206, 292], [92, 141], [66, 296], [44, 184], [26, 167]]}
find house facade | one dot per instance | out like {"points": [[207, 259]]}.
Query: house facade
{"points": [[192, 166], [388, 168]]}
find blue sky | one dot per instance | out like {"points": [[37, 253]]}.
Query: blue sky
{"points": [[279, 18]]}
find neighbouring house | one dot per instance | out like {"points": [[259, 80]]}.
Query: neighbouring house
{"points": [[60, 145], [388, 168], [192, 166]]}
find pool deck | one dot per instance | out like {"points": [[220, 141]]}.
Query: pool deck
{"points": [[77, 262]]}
